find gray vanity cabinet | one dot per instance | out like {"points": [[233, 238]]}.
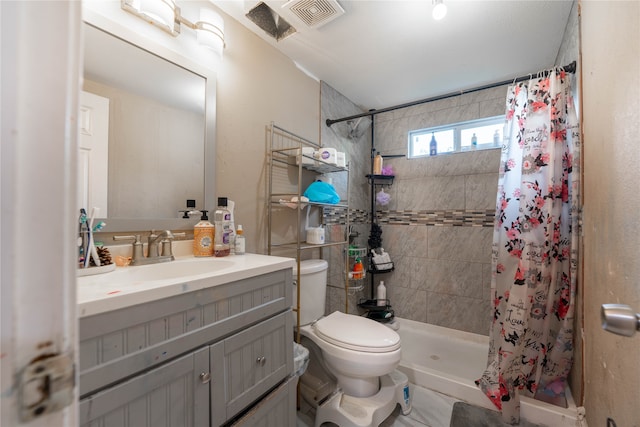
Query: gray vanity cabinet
{"points": [[253, 362], [203, 358], [171, 395]]}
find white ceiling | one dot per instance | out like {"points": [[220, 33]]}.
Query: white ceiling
{"points": [[383, 53]]}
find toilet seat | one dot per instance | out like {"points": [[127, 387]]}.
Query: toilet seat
{"points": [[356, 333]]}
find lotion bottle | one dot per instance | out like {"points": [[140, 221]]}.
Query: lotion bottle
{"points": [[381, 294], [240, 242], [203, 237]]}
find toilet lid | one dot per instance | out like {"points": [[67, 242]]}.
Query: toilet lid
{"points": [[357, 333]]}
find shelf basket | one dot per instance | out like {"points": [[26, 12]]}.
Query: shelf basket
{"points": [[357, 252]]}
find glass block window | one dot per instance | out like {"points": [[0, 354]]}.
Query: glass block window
{"points": [[457, 137]]}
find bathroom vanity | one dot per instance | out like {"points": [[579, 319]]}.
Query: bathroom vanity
{"points": [[211, 346]]}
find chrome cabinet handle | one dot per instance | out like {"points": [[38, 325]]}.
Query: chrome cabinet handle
{"points": [[261, 360], [205, 377]]}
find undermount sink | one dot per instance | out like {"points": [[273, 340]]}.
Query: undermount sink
{"points": [[180, 268], [171, 270]]}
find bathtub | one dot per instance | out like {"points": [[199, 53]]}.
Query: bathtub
{"points": [[449, 361]]}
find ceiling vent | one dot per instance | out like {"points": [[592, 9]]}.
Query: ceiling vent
{"points": [[272, 23], [315, 13]]}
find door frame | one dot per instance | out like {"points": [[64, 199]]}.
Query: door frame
{"points": [[41, 78]]}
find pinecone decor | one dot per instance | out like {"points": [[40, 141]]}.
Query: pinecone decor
{"points": [[104, 255]]}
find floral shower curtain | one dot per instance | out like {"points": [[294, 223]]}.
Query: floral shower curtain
{"points": [[534, 255]]}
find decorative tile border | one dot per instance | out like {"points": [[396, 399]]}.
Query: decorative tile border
{"points": [[447, 218], [451, 218]]}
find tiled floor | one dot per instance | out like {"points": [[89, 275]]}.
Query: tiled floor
{"points": [[429, 409]]}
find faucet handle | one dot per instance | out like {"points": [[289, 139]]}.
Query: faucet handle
{"points": [[137, 246], [166, 249]]}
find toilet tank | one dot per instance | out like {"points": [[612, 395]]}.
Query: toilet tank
{"points": [[313, 289]]}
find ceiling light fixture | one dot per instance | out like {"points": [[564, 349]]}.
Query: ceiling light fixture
{"points": [[439, 10], [165, 14]]}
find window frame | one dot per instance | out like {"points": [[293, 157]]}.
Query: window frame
{"points": [[457, 129]]}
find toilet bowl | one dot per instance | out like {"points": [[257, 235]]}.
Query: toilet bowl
{"points": [[358, 355], [356, 350]]}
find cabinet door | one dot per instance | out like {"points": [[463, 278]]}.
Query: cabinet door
{"points": [[247, 365], [174, 394]]}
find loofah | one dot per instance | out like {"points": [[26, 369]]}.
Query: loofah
{"points": [[382, 198]]}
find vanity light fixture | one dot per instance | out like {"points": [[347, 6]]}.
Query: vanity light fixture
{"points": [[439, 10], [165, 14]]}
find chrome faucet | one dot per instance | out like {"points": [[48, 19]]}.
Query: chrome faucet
{"points": [[154, 255]]}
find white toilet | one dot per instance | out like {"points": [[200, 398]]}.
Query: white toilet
{"points": [[352, 379]]}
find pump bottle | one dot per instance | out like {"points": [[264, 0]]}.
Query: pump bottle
{"points": [[203, 237], [222, 223]]}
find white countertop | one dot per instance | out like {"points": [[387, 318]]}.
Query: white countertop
{"points": [[123, 288]]}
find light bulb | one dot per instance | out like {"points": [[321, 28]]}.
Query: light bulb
{"points": [[439, 10], [210, 30], [160, 10]]}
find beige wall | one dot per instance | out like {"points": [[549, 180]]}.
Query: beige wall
{"points": [[611, 125], [256, 85]]}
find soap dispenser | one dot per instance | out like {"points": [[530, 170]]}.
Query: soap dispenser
{"points": [[203, 237]]}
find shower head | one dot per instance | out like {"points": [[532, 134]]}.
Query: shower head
{"points": [[358, 127], [619, 319]]}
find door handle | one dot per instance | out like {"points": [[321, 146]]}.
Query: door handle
{"points": [[619, 319]]}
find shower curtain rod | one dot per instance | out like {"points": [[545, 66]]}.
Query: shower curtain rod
{"points": [[570, 68]]}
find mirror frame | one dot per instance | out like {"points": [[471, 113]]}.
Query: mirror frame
{"points": [[126, 225]]}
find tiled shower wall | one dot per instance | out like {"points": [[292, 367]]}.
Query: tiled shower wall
{"points": [[335, 106], [438, 226]]}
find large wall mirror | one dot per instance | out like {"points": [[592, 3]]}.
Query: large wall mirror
{"points": [[161, 130]]}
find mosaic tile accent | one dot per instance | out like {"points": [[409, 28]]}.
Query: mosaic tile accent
{"points": [[450, 218], [339, 215]]}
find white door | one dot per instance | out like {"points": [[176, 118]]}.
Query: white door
{"points": [[93, 152], [40, 88]]}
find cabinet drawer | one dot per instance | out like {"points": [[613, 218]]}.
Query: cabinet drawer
{"points": [[169, 396], [249, 364], [277, 409]]}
